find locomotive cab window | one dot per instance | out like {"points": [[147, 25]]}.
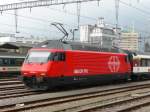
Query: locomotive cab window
{"points": [[38, 57]]}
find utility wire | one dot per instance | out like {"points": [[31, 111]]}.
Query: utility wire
{"points": [[87, 17], [91, 18], [39, 19], [33, 18], [141, 10], [33, 28]]}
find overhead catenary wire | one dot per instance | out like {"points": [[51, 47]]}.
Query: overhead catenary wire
{"points": [[39, 19], [25, 27], [91, 18], [138, 9]]}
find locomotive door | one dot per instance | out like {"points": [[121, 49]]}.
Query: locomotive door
{"points": [[59, 59]]}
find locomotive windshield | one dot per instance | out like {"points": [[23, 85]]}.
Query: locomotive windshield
{"points": [[38, 57]]}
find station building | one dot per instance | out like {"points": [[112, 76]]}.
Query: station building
{"points": [[130, 41], [20, 48], [100, 34], [17, 44]]}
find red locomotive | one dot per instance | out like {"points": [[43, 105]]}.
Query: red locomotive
{"points": [[53, 63]]}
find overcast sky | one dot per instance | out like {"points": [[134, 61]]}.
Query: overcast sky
{"points": [[37, 20]]}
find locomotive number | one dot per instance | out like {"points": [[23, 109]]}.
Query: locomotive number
{"points": [[76, 71]]}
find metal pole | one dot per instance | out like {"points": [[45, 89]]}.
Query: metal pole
{"points": [[16, 21]]}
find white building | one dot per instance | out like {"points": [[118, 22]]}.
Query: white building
{"points": [[100, 34], [130, 41], [85, 31]]}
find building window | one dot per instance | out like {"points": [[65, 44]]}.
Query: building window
{"points": [[30, 42]]}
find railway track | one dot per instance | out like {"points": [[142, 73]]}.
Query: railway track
{"points": [[142, 102], [18, 93], [78, 102], [10, 82], [138, 108], [11, 87], [8, 79], [122, 105]]}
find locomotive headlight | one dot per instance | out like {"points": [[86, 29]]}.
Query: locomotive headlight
{"points": [[42, 74], [24, 73]]}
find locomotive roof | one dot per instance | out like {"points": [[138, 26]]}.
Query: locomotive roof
{"points": [[70, 45]]}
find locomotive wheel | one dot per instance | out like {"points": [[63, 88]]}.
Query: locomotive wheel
{"points": [[40, 87], [32, 83]]}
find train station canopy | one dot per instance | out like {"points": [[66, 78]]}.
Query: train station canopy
{"points": [[14, 45]]}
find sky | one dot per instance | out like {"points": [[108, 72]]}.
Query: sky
{"points": [[37, 21]]}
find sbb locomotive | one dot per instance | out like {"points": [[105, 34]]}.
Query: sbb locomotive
{"points": [[53, 63]]}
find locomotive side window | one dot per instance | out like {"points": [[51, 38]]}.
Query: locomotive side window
{"points": [[56, 57], [59, 56]]}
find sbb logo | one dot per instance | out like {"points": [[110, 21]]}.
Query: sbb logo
{"points": [[114, 64]]}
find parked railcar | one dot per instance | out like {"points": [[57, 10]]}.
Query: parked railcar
{"points": [[55, 63], [141, 66], [10, 63]]}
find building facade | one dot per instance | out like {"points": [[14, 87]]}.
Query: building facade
{"points": [[85, 31], [130, 41], [100, 34], [13, 38], [146, 44]]}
